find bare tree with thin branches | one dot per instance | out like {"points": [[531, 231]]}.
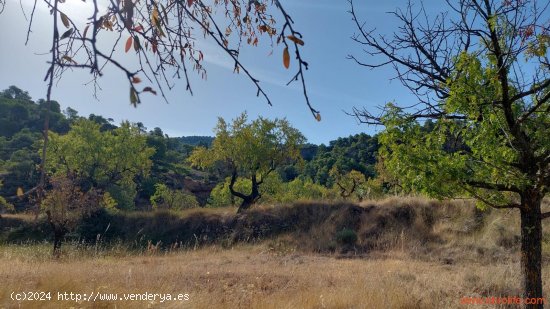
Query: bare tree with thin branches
{"points": [[164, 36]]}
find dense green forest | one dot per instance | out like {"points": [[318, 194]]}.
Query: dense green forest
{"points": [[137, 168]]}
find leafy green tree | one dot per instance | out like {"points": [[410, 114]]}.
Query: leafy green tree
{"points": [[167, 198], [357, 152], [105, 124], [304, 189], [104, 160], [168, 163], [485, 81], [350, 185], [124, 193], [250, 150], [71, 114], [13, 92]]}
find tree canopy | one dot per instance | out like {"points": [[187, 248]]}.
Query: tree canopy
{"points": [[357, 152], [107, 161], [251, 150], [481, 71], [19, 158]]}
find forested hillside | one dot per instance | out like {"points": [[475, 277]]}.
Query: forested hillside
{"points": [[162, 177]]}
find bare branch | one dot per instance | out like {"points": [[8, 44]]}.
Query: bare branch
{"points": [[232, 183]]}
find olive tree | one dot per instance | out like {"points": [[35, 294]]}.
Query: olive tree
{"points": [[481, 71]]}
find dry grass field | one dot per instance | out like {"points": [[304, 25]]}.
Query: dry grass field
{"points": [[465, 254], [254, 277]]}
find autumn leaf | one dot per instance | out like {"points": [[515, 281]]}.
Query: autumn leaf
{"points": [[66, 34], [286, 58], [149, 89], [155, 17], [65, 20], [133, 96], [20, 192], [129, 13], [136, 43], [295, 40], [156, 22], [136, 80], [189, 2], [318, 117], [69, 59], [128, 44], [85, 31]]}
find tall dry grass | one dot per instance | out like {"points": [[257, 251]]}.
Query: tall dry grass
{"points": [[254, 277], [410, 253]]}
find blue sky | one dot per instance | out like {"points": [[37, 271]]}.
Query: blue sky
{"points": [[335, 83]]}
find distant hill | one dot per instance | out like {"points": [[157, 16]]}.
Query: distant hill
{"points": [[196, 140], [22, 121]]}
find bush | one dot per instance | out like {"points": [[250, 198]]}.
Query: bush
{"points": [[123, 194], [273, 190], [305, 190], [5, 206], [167, 198], [346, 237]]}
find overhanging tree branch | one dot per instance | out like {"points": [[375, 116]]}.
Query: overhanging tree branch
{"points": [[494, 186], [491, 204]]}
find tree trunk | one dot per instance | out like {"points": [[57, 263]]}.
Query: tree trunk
{"points": [[247, 202], [58, 235], [42, 182], [59, 232], [251, 198], [531, 248]]}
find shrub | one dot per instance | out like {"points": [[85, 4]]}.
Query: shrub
{"points": [[5, 206], [167, 198], [346, 237], [273, 190], [123, 194]]}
